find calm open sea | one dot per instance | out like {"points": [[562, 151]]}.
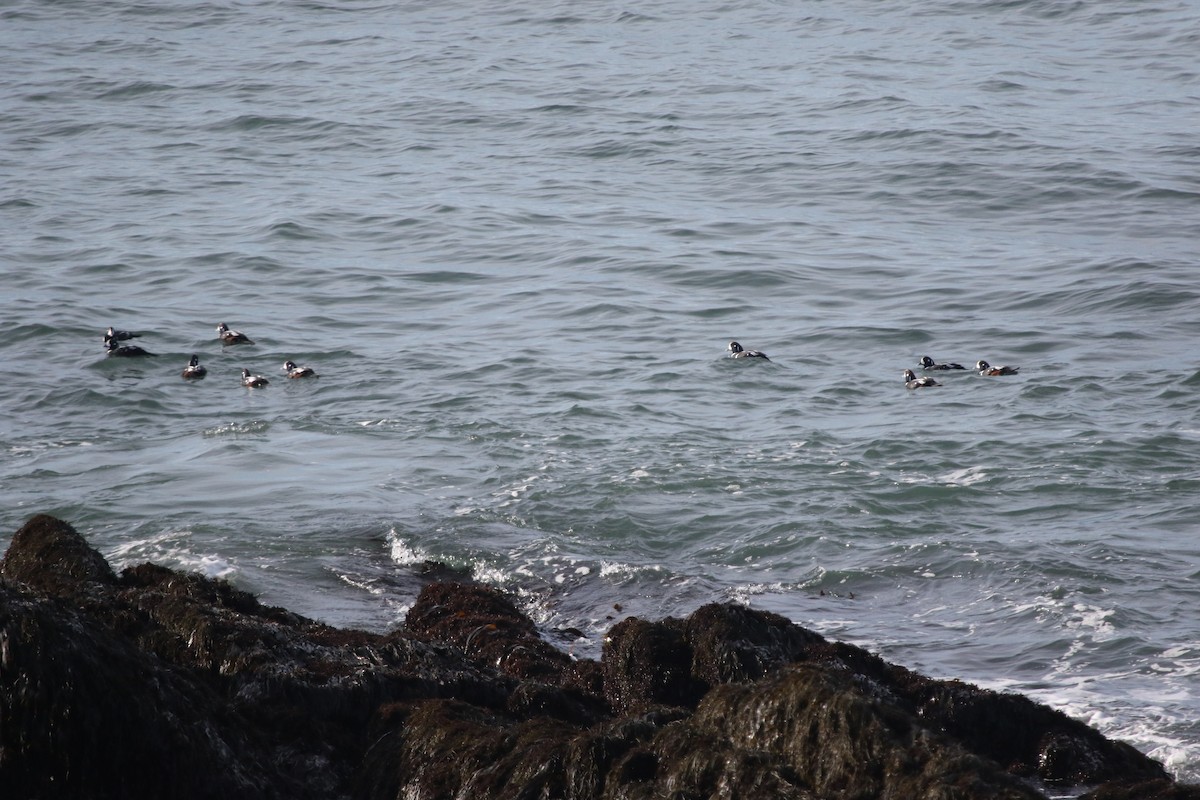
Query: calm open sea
{"points": [[514, 239]]}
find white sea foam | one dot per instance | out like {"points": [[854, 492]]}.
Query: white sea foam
{"points": [[369, 586], [172, 548], [968, 476], [401, 551], [26, 449], [234, 429], [619, 572], [1092, 619]]}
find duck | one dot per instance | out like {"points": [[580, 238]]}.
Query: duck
{"points": [[253, 381], [928, 363], [737, 351], [911, 381], [985, 368], [112, 334], [228, 336], [194, 369], [294, 371], [115, 348]]}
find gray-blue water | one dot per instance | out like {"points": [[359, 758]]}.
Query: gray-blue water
{"points": [[514, 240]]}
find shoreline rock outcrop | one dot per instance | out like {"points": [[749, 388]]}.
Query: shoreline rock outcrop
{"points": [[159, 683]]}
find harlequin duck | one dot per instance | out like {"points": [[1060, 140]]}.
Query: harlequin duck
{"points": [[194, 369], [253, 381], [911, 381], [112, 334], [987, 369], [294, 371], [928, 363], [228, 336], [115, 348], [737, 351]]}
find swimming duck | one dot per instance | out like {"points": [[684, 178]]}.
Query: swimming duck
{"points": [[228, 336], [987, 369], [112, 334], [928, 363], [194, 369], [911, 381], [294, 371], [737, 351], [115, 348], [253, 381]]}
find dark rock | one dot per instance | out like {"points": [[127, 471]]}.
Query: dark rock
{"points": [[160, 683], [648, 664], [1029, 738], [49, 555], [1026, 738], [88, 715], [732, 644], [530, 699], [492, 757], [694, 761], [487, 626], [822, 728], [806, 733]]}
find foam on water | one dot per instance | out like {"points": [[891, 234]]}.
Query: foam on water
{"points": [[171, 549]]}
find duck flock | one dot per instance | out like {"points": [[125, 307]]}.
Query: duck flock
{"points": [[113, 339], [985, 369], [911, 381]]}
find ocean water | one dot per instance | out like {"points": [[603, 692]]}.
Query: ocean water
{"points": [[514, 240]]}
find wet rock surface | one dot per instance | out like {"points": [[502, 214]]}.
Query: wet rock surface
{"points": [[155, 683]]}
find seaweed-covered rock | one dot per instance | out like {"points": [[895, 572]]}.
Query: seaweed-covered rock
{"points": [[841, 740], [161, 683], [648, 664], [486, 625], [1028, 738], [732, 644], [49, 555], [91, 716]]}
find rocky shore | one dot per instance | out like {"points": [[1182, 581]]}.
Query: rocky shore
{"points": [[156, 683]]}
